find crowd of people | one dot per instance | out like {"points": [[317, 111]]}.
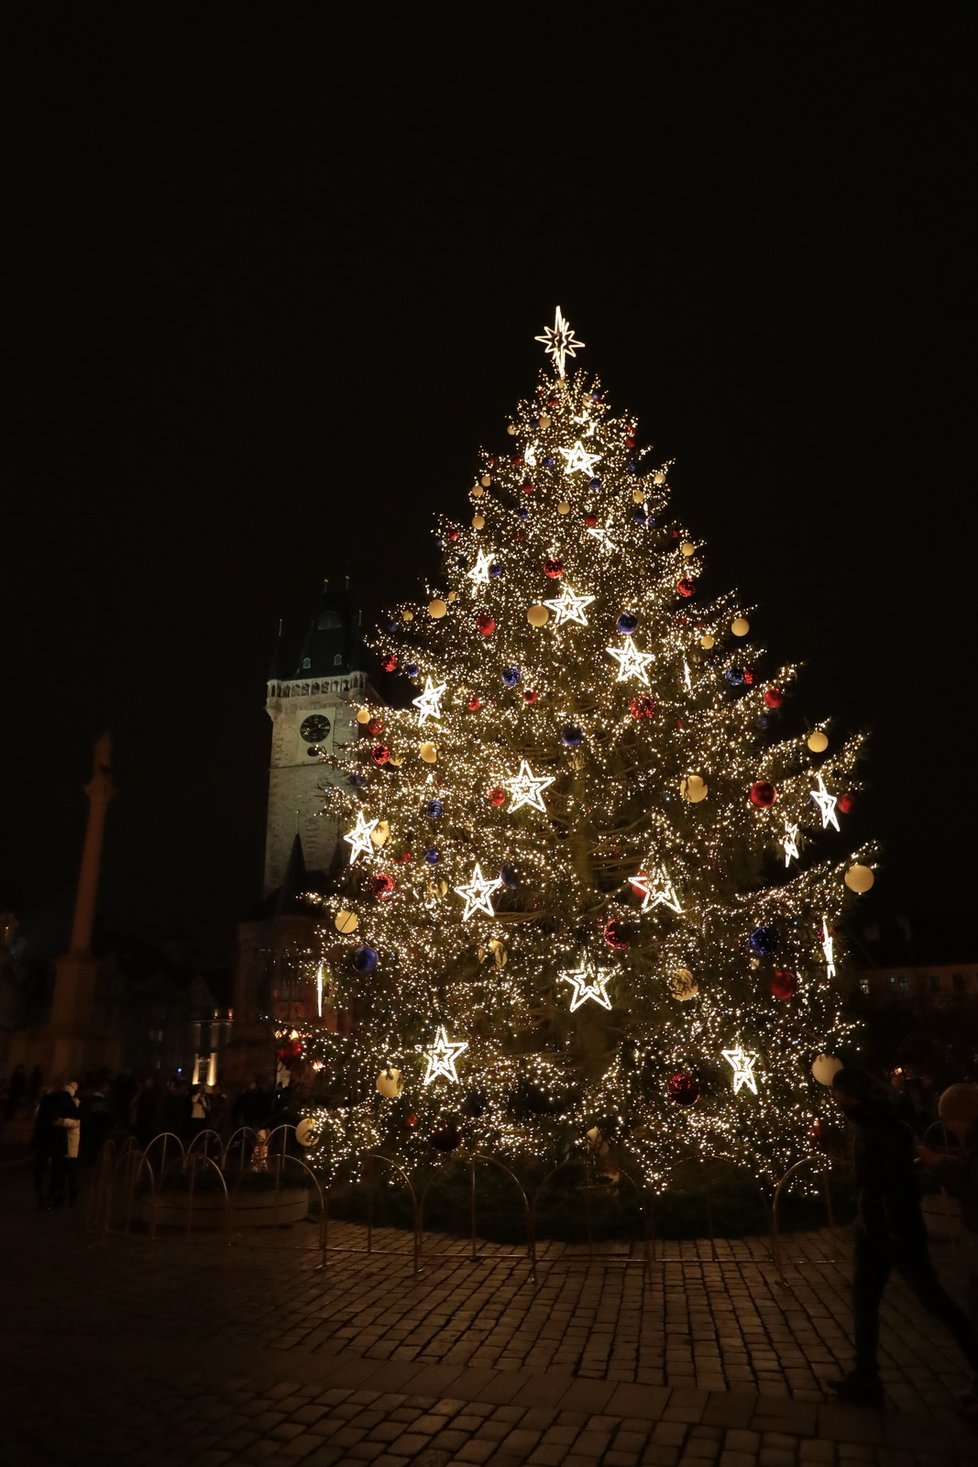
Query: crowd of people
{"points": [[71, 1122]]}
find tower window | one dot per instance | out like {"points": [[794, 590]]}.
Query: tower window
{"points": [[337, 659], [329, 621], [306, 663]]}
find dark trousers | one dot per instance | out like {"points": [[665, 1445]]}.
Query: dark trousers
{"points": [[872, 1265], [64, 1180]]}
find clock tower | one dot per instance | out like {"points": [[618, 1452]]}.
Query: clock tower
{"points": [[312, 714]]}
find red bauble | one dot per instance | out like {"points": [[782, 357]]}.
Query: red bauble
{"points": [[553, 568], [528, 488], [406, 857], [497, 796], [474, 704], [784, 984], [390, 662], [485, 624], [375, 726], [773, 697], [530, 696], [685, 586], [517, 463], [845, 803], [617, 935], [380, 753], [762, 794], [382, 885], [683, 1089], [629, 442], [411, 1121], [453, 534], [643, 707], [748, 677], [818, 1134], [590, 520]]}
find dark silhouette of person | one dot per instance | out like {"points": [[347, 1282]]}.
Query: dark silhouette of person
{"points": [[44, 1140], [890, 1233], [15, 1091]]}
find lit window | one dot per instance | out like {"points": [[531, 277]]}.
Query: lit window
{"points": [[864, 985]]}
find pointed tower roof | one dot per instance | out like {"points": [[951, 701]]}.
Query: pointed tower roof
{"points": [[332, 644], [288, 897]]}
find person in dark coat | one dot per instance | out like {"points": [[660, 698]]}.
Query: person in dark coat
{"points": [[890, 1233], [958, 1175], [43, 1141], [15, 1091], [64, 1180], [252, 1107]]}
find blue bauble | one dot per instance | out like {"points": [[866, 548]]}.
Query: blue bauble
{"points": [[393, 627], [497, 568], [595, 483], [509, 877], [411, 669], [548, 462], [633, 467], [763, 721], [365, 959], [734, 676], [627, 623], [764, 941], [638, 515], [524, 514], [432, 855], [356, 780], [534, 422], [572, 735], [433, 809], [510, 676]]}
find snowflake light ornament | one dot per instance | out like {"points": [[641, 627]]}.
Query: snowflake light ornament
{"points": [[560, 342]]}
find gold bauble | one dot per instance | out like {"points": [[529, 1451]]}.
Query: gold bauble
{"points": [[682, 985], [687, 548], [693, 788], [452, 596], [407, 614], [345, 921], [707, 641], [817, 742], [437, 608], [477, 491], [537, 616], [563, 507], [638, 496], [740, 626], [307, 1133], [859, 878], [395, 761], [544, 420], [381, 833], [825, 1067], [478, 521], [485, 481], [389, 1082], [428, 752], [511, 429], [659, 477], [363, 715]]}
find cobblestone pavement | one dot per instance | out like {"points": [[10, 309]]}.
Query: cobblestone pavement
{"points": [[190, 1352]]}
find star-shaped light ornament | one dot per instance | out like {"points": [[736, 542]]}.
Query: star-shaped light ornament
{"points": [[790, 843], [655, 890], [359, 837], [742, 1064], [579, 461], [526, 788], [826, 804], [442, 1055], [589, 985], [631, 662], [477, 893], [429, 702], [605, 542], [530, 455], [828, 949], [560, 342], [479, 574], [569, 606]]}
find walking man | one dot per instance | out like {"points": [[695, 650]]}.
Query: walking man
{"points": [[890, 1233]]}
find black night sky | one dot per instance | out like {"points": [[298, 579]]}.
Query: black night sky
{"points": [[272, 275]]}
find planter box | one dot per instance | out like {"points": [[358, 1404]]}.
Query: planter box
{"points": [[247, 1209]]}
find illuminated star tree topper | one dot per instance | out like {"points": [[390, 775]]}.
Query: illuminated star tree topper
{"points": [[560, 342]]}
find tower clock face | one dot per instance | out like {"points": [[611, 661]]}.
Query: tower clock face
{"points": [[314, 728]]}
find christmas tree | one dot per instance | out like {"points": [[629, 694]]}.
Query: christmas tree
{"points": [[593, 880]]}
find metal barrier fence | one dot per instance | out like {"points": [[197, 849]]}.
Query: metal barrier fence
{"points": [[134, 1194]]}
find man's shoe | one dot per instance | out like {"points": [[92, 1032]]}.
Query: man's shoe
{"points": [[858, 1389]]}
